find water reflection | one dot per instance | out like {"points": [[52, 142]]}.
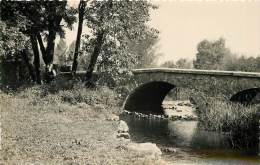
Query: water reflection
{"points": [[188, 134], [142, 130], [193, 144]]}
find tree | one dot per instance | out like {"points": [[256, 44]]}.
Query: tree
{"points": [[81, 10], [242, 63], [183, 64], [12, 41], [27, 14], [26, 57], [145, 47], [169, 64], [40, 17], [36, 62], [14, 45], [210, 54], [56, 11], [113, 25]]}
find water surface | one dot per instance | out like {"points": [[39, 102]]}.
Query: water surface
{"points": [[193, 145]]}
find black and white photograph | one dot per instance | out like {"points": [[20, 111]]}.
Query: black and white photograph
{"points": [[130, 82]]}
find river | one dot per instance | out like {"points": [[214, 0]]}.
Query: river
{"points": [[184, 142]]}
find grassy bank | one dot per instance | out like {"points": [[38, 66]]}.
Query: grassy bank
{"points": [[219, 115], [41, 125], [240, 121]]}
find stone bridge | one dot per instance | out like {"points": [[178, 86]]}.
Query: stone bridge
{"points": [[150, 86]]}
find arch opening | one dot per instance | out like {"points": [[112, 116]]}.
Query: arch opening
{"points": [[248, 96], [148, 98]]}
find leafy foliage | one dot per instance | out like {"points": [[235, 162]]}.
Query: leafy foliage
{"points": [[214, 55], [242, 63], [39, 18], [145, 48], [122, 22], [210, 54], [12, 41], [12, 67], [181, 63], [168, 64], [126, 42]]}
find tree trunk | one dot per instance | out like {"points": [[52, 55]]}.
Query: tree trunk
{"points": [[94, 56], [50, 47], [81, 9], [42, 47], [53, 24], [50, 54], [27, 63], [36, 61]]}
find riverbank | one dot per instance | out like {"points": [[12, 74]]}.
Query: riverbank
{"points": [[65, 127], [220, 115]]}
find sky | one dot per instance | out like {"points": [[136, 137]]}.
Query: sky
{"points": [[183, 25]]}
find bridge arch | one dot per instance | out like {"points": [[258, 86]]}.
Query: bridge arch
{"points": [[247, 96], [148, 97]]}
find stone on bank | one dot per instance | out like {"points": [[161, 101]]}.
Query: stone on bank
{"points": [[122, 127], [146, 148]]}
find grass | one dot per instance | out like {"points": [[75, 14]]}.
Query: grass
{"points": [[41, 125], [220, 115], [240, 121]]}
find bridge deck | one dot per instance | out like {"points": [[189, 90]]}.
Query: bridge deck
{"points": [[199, 72]]}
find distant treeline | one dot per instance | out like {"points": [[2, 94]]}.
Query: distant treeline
{"points": [[214, 55]]}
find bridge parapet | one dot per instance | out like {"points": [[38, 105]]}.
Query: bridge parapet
{"points": [[197, 72]]}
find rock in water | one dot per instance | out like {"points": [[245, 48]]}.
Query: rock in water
{"points": [[123, 135], [113, 118], [147, 148], [122, 127], [169, 150]]}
